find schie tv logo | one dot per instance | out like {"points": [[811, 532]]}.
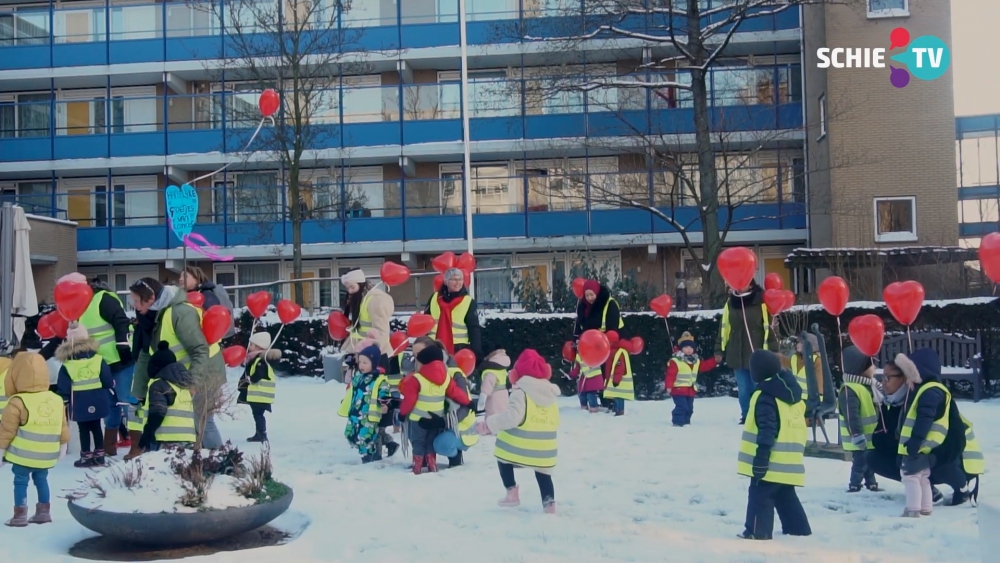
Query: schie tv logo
{"points": [[927, 57]]}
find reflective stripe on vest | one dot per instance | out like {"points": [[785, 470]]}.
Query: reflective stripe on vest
{"points": [[973, 461], [786, 463], [395, 378], [533, 443], [500, 375], [459, 332], [178, 425], [136, 418], [431, 398], [939, 429], [587, 371], [99, 329], [364, 322], [466, 428], [687, 374], [725, 329], [3, 383], [375, 407], [604, 315], [869, 417], [36, 444], [263, 391], [626, 388], [85, 374], [800, 373], [167, 333]]}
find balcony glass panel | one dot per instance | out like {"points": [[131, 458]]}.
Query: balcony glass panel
{"points": [[29, 117], [429, 11], [256, 198], [120, 114], [143, 21], [80, 25], [371, 104], [26, 26], [191, 19], [367, 13], [432, 101]]}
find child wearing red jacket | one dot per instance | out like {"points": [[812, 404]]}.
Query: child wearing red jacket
{"points": [[431, 372], [682, 374]]}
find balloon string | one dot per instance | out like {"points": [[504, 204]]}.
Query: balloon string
{"points": [[743, 312], [840, 344], [253, 327], [274, 340], [670, 337], [245, 149]]}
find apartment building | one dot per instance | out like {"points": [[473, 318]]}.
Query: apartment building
{"points": [[977, 149], [105, 104]]}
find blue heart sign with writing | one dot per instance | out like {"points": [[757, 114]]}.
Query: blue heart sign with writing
{"points": [[182, 209]]}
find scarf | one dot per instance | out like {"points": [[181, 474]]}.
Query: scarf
{"points": [[444, 330], [869, 382], [898, 398], [685, 358]]}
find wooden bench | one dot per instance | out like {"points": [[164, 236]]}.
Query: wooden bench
{"points": [[961, 358]]}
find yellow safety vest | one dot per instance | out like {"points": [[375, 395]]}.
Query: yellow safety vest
{"points": [[101, 330], [800, 374], [36, 444], [85, 374], [431, 398], [869, 417], [501, 376], [626, 388], [939, 429], [136, 417], [364, 323], [3, 383], [375, 407], [178, 425], [466, 429], [972, 458], [687, 375], [263, 391], [533, 443], [587, 371], [725, 329], [395, 378], [785, 465], [459, 331], [604, 316], [167, 333]]}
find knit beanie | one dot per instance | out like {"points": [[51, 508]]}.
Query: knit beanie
{"points": [[261, 339], [77, 332], [592, 286], [855, 361], [531, 364], [354, 276], [686, 340], [430, 354], [764, 364], [160, 359], [373, 354]]}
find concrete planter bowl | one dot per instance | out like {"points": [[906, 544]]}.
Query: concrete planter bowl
{"points": [[178, 529]]}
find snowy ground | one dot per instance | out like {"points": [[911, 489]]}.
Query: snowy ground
{"points": [[629, 489]]}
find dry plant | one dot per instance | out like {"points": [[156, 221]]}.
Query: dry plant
{"points": [[193, 477], [256, 474]]}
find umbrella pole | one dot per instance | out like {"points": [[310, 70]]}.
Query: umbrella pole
{"points": [[7, 250]]}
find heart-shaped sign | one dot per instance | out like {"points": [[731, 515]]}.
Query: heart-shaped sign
{"points": [[182, 209]]}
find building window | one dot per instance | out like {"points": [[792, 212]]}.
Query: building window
{"points": [[888, 8], [822, 116], [494, 289], [896, 219]]}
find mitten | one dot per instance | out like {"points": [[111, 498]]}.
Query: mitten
{"points": [[761, 462], [860, 442], [124, 352]]}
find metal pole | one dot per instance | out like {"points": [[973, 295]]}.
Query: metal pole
{"points": [[7, 249], [466, 148]]}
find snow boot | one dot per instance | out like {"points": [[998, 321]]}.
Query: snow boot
{"points": [[926, 512], [86, 460], [512, 499], [619, 413], [960, 497], [43, 514], [749, 536], [549, 506], [432, 463], [456, 460], [594, 410], [938, 495], [111, 442], [367, 459], [391, 447], [134, 436], [907, 513], [99, 460], [258, 437], [854, 489], [418, 464], [20, 518], [873, 487]]}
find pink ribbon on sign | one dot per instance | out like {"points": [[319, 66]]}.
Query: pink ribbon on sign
{"points": [[205, 248]]}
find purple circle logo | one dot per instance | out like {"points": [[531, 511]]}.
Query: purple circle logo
{"points": [[899, 77]]}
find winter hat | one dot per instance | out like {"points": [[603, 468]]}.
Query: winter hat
{"points": [[499, 357], [430, 354], [261, 339], [855, 361], [909, 369], [354, 276], [162, 358], [928, 363], [592, 286], [764, 364], [77, 332], [686, 340], [373, 354], [531, 364], [75, 277]]}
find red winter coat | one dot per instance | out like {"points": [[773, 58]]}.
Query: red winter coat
{"points": [[436, 373], [705, 366], [614, 374]]}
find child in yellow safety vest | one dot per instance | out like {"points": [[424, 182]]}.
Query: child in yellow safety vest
{"points": [[257, 386], [527, 431], [85, 383], [33, 434], [797, 365], [170, 417], [366, 401], [682, 375]]}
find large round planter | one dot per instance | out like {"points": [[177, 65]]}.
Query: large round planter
{"points": [[179, 528]]}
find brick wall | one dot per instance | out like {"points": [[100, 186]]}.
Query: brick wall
{"points": [[56, 239]]}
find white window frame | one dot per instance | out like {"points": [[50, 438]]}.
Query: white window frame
{"points": [[909, 236], [890, 13], [822, 117]]}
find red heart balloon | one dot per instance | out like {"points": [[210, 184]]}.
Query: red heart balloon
{"points": [[288, 311], [833, 294], [234, 355], [578, 287], [72, 299], [789, 299], [394, 274], [443, 262], [44, 329], [775, 300], [196, 298], [467, 278], [594, 348], [989, 256], [773, 281], [399, 341], [466, 262], [638, 345], [419, 325], [613, 337], [215, 322], [737, 266], [58, 324], [466, 361], [269, 102], [866, 333], [904, 300], [568, 352], [338, 325], [257, 303], [438, 282], [662, 305]]}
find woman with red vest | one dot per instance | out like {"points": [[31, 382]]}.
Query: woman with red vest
{"points": [[454, 312]]}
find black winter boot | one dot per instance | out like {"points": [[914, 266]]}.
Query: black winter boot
{"points": [[391, 447], [258, 437], [456, 460]]}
